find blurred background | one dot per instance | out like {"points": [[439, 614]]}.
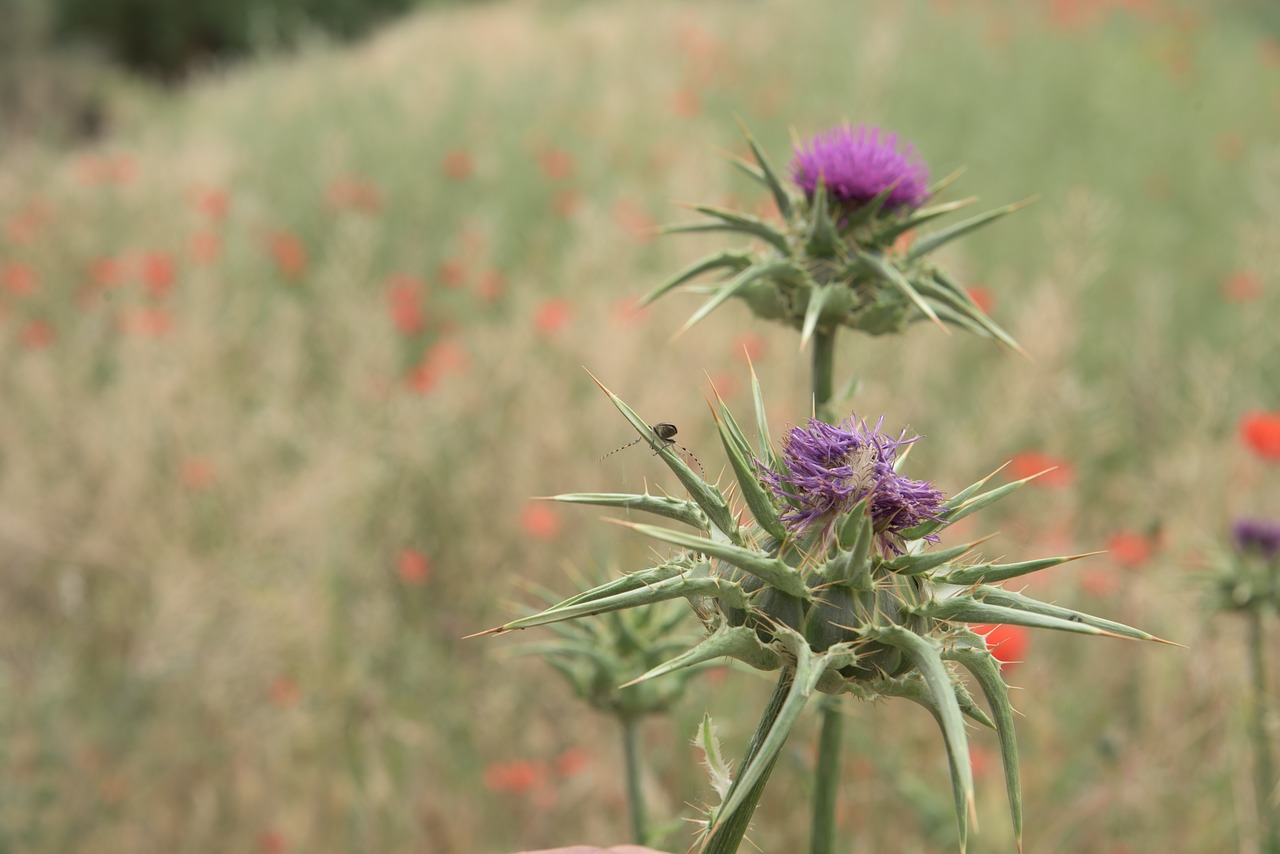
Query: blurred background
{"points": [[295, 301]]}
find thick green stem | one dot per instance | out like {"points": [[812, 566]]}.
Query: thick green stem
{"points": [[635, 794], [728, 835], [1264, 777], [827, 778], [827, 775], [824, 353]]}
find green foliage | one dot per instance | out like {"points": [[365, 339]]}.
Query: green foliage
{"points": [[167, 38], [44, 92]]}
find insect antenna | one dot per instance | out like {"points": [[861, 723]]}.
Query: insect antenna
{"points": [[615, 450], [665, 432]]}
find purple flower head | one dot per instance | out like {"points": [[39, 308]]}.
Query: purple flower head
{"points": [[859, 163], [831, 469], [1257, 536]]}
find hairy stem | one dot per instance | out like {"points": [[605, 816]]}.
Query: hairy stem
{"points": [[728, 835]]}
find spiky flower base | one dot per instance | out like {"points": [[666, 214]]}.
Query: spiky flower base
{"points": [[843, 613], [835, 260]]}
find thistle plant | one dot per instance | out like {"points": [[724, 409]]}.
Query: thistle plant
{"points": [[832, 578], [828, 568], [837, 258], [1247, 583], [599, 657]]}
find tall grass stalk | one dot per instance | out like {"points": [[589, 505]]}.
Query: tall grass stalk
{"points": [[1264, 775]]}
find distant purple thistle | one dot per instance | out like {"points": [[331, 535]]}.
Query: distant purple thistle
{"points": [[831, 469], [1257, 536], [859, 163]]}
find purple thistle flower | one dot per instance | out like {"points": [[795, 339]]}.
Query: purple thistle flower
{"points": [[1257, 536], [831, 469], [857, 164]]}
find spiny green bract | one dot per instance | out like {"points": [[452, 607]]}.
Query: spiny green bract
{"points": [[598, 656], [843, 615], [824, 266]]}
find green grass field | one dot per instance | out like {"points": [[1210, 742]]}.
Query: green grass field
{"points": [[283, 361]]}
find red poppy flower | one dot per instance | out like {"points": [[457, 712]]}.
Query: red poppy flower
{"points": [[686, 104], [1129, 549], [404, 300], [572, 762], [285, 692], [1261, 432], [491, 285], [108, 272], [904, 240], [749, 347], [423, 378], [447, 354], [197, 473], [19, 279], [540, 521], [213, 203], [158, 273], [556, 164], [121, 169], [37, 334], [552, 315], [981, 760], [452, 274], [982, 298], [458, 165], [515, 777], [1028, 463], [272, 842], [1243, 286], [1008, 644], [413, 567], [289, 253]]}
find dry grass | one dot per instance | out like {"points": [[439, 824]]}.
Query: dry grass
{"points": [[204, 640]]}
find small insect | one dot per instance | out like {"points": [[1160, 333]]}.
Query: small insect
{"points": [[666, 432]]}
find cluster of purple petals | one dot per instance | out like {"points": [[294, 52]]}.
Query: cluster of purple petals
{"points": [[1257, 536], [831, 469], [859, 163]]}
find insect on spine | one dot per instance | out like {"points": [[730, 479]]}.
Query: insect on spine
{"points": [[665, 432]]}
